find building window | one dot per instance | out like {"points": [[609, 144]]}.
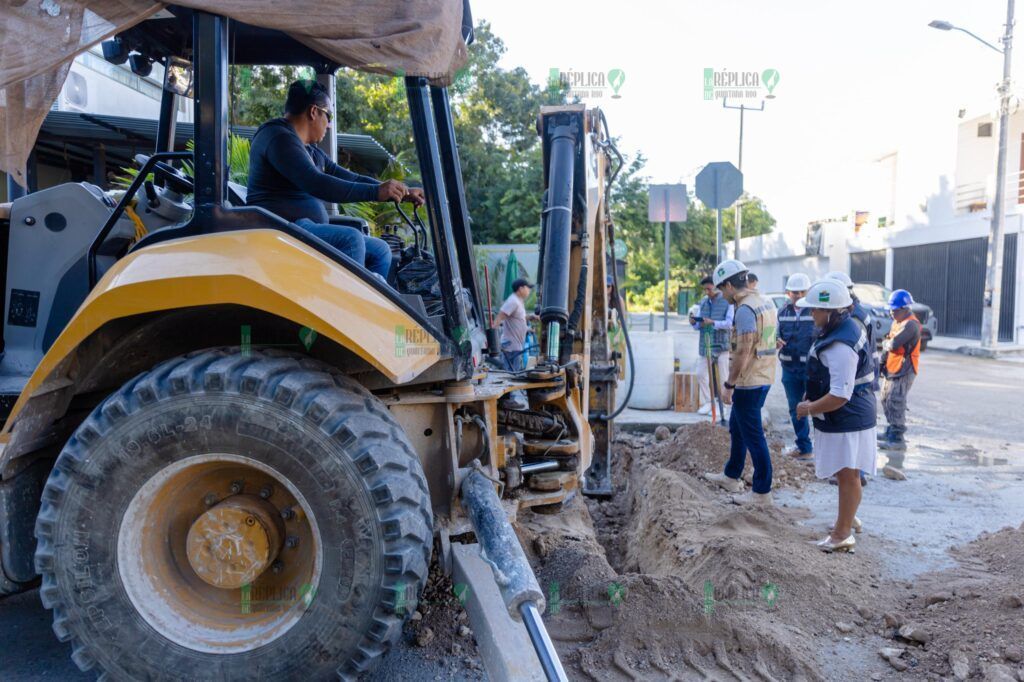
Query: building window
{"points": [[984, 130]]}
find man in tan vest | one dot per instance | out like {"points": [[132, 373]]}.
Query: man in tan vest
{"points": [[751, 374]]}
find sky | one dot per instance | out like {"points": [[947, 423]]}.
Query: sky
{"points": [[858, 81]]}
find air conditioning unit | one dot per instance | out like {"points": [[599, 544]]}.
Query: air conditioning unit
{"points": [[76, 92]]}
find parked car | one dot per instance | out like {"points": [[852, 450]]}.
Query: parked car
{"points": [[876, 298]]}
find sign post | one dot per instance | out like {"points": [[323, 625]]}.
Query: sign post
{"points": [[719, 184], [666, 203]]}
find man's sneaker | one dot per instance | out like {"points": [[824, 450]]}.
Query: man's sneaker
{"points": [[893, 444], [733, 485], [885, 435], [705, 409], [752, 499], [794, 452]]}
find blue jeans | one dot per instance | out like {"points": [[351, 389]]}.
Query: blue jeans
{"points": [[748, 436], [514, 360], [372, 253], [795, 383]]}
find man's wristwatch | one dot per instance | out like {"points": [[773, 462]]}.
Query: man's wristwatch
{"points": [[729, 386]]}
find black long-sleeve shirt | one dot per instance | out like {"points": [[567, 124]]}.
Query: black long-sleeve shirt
{"points": [[293, 180]]}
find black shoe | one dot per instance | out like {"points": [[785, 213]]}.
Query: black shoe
{"points": [[885, 435], [863, 479]]}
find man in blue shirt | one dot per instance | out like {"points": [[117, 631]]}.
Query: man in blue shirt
{"points": [[292, 177], [796, 333], [715, 321]]}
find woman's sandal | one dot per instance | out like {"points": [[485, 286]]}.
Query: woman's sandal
{"points": [[847, 545]]}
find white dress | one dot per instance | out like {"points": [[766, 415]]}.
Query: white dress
{"points": [[852, 450]]}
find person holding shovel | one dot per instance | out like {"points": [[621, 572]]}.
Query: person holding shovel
{"points": [[841, 402], [714, 321]]}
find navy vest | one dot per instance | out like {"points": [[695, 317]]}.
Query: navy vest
{"points": [[861, 314], [859, 412], [715, 309], [796, 328]]}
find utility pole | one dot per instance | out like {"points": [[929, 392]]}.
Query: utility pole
{"points": [[667, 238], [739, 204], [994, 276]]}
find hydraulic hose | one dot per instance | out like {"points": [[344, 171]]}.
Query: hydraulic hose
{"points": [[609, 144]]}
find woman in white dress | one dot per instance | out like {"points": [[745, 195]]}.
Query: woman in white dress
{"points": [[841, 402]]}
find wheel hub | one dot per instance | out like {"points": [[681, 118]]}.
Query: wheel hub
{"points": [[233, 542]]}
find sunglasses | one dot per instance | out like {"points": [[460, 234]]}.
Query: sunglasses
{"points": [[326, 112]]}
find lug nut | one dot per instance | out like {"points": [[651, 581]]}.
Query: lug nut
{"points": [[292, 542], [250, 521], [210, 499], [287, 514], [266, 491], [236, 487]]}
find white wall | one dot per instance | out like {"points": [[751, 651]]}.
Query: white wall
{"points": [[98, 87]]}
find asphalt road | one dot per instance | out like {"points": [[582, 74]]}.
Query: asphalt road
{"points": [[965, 426]]}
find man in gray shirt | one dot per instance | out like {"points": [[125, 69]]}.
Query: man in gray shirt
{"points": [[512, 319]]}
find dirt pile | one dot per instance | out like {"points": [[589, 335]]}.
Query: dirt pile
{"points": [[669, 580], [972, 616]]}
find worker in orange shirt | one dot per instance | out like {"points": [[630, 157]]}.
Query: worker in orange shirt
{"points": [[900, 353]]}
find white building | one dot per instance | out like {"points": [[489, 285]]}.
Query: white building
{"points": [[936, 249]]}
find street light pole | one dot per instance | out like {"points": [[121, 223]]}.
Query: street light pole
{"points": [[994, 277], [994, 271], [739, 204]]}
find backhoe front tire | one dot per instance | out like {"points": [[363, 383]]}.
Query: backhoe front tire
{"points": [[288, 437]]}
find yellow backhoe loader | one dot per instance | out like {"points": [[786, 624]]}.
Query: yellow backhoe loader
{"points": [[230, 452]]}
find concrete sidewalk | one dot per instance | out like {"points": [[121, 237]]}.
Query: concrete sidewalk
{"points": [[952, 344]]}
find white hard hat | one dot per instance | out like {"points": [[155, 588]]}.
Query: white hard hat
{"points": [[694, 310], [829, 294], [798, 281], [727, 269], [840, 277]]}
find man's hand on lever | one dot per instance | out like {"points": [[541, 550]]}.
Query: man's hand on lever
{"points": [[392, 190], [415, 196]]}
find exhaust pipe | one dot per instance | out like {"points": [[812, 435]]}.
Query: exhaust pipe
{"points": [[516, 583]]}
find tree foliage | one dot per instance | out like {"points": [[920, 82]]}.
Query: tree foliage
{"points": [[495, 114]]}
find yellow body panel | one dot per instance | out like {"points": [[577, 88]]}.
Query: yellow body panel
{"points": [[262, 269]]}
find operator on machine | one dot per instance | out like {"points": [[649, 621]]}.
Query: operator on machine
{"points": [[292, 177]]}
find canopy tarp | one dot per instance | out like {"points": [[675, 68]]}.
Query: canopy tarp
{"points": [[40, 38]]}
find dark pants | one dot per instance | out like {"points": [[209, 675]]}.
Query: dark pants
{"points": [[894, 404], [795, 383], [372, 253], [515, 360], [747, 434]]}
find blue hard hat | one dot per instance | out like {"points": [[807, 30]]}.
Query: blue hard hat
{"points": [[900, 298]]}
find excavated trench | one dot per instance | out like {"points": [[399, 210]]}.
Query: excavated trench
{"points": [[670, 580]]}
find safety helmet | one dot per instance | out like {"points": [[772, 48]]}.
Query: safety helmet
{"points": [[840, 277], [900, 298], [829, 294], [694, 310], [727, 269], [798, 281]]}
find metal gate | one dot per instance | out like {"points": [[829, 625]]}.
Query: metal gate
{"points": [[868, 266], [950, 277]]}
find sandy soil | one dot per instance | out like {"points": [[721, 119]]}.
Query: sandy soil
{"points": [[670, 580]]}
